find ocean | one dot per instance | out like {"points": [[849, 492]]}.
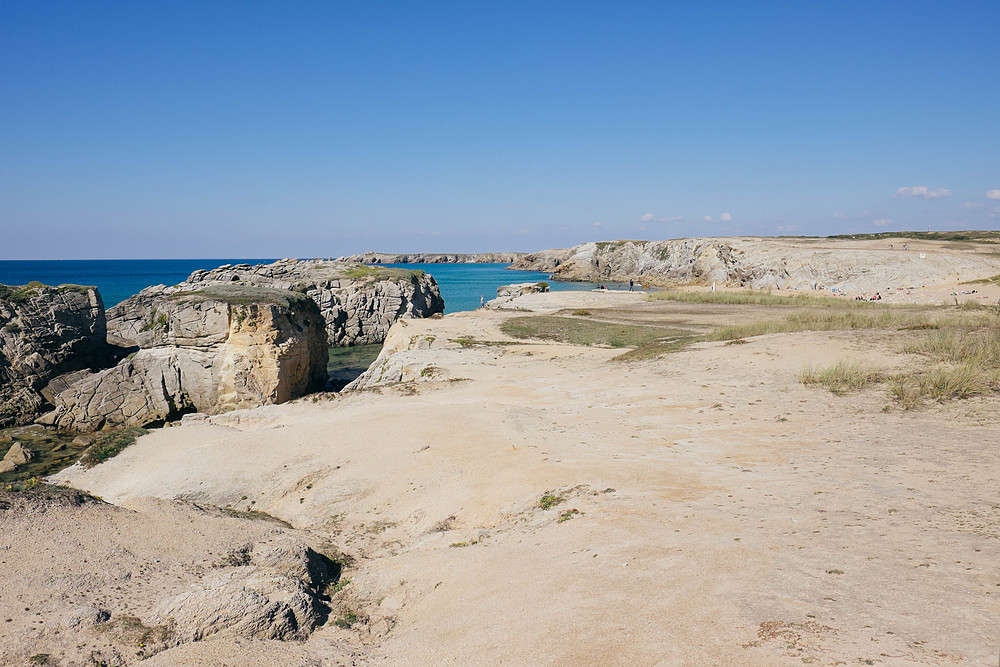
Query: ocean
{"points": [[118, 279]]}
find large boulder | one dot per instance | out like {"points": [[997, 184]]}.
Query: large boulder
{"points": [[210, 350], [45, 332], [358, 303]]}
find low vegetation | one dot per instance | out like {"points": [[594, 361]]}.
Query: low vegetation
{"points": [[958, 362], [842, 377], [978, 236], [384, 273], [646, 340], [549, 500], [760, 298], [110, 445]]}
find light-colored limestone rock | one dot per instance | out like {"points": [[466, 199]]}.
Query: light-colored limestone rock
{"points": [[372, 257], [763, 263], [507, 293], [211, 350], [358, 303]]}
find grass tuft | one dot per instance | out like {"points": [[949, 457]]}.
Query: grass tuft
{"points": [[843, 377]]}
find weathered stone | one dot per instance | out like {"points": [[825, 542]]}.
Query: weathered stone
{"points": [[83, 440], [18, 454], [506, 293], [45, 332], [372, 257], [358, 303], [211, 350], [760, 263]]}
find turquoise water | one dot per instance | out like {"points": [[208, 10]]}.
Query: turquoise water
{"points": [[462, 284], [118, 279]]}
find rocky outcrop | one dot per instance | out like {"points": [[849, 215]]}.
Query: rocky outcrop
{"points": [[358, 303], [45, 332], [210, 350], [761, 263], [17, 455], [434, 258], [507, 293]]}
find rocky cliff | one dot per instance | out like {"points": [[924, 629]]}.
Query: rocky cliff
{"points": [[358, 303], [45, 332], [807, 263], [434, 258], [209, 350]]}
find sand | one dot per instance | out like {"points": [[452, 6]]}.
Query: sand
{"points": [[724, 513]]}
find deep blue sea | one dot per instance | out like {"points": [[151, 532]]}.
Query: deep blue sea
{"points": [[118, 279]]}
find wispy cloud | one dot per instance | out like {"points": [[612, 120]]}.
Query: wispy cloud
{"points": [[708, 218], [993, 194], [923, 192], [840, 215], [646, 217], [725, 217], [882, 222], [598, 224], [969, 205]]}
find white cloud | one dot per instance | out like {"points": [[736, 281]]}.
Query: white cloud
{"points": [[646, 217], [923, 192], [970, 205], [882, 222], [840, 215], [708, 218], [725, 217], [993, 194], [598, 224]]}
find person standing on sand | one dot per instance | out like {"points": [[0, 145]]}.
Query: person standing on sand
{"points": [[631, 285], [482, 301]]}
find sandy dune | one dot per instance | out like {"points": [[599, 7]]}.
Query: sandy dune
{"points": [[727, 514]]}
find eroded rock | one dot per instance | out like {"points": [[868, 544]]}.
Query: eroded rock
{"points": [[45, 332], [209, 350]]}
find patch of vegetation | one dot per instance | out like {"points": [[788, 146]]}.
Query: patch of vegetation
{"points": [[464, 544], [475, 342], [256, 515], [39, 659], [568, 514], [542, 285], [243, 295], [154, 322], [646, 340], [131, 630], [994, 280], [429, 371], [335, 587], [384, 273], [347, 619], [761, 298], [12, 327], [237, 558], [581, 312], [20, 293], [549, 500], [737, 341], [842, 377], [110, 445]]}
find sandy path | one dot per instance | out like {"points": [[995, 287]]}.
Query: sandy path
{"points": [[729, 514]]}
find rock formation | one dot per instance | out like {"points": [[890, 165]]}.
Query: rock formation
{"points": [[358, 303], [45, 332], [17, 455], [506, 293], [434, 258], [806, 263], [211, 350]]}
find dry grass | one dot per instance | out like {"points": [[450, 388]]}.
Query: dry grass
{"points": [[843, 377], [760, 298], [645, 340]]}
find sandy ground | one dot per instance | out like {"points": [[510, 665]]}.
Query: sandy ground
{"points": [[725, 513]]}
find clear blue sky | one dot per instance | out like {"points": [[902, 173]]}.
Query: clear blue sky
{"points": [[248, 129]]}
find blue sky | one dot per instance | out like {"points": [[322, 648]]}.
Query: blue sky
{"points": [[249, 129]]}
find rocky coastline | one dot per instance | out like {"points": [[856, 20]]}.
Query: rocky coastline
{"points": [[372, 257], [766, 263]]}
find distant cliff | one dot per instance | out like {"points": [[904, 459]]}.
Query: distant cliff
{"points": [[796, 263], [435, 258]]}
